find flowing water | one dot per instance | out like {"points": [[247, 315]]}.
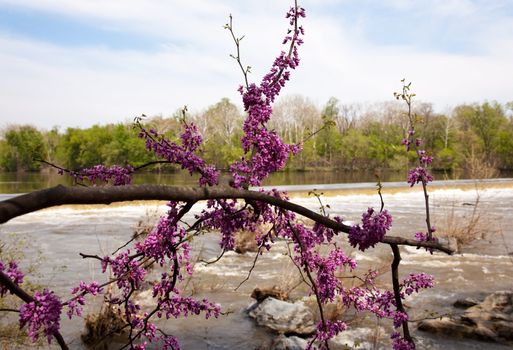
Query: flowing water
{"points": [[486, 265]]}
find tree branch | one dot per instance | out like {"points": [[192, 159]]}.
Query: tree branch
{"points": [[61, 195], [397, 289]]}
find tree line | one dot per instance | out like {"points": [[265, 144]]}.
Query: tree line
{"points": [[336, 136]]}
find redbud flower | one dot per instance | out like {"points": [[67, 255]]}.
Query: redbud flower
{"points": [[372, 231], [44, 312]]}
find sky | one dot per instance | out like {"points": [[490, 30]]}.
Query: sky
{"points": [[76, 63]]}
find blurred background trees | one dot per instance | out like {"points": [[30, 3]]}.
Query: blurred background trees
{"points": [[359, 137]]}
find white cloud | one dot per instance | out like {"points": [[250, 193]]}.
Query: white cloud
{"points": [[46, 84]]}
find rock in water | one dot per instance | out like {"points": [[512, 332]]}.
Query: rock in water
{"points": [[491, 320], [275, 292], [289, 343], [284, 317], [465, 303]]}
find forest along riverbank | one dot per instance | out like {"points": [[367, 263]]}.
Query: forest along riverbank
{"points": [[484, 266]]}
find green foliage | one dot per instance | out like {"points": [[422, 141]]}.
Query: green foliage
{"points": [[20, 147], [446, 159], [503, 147], [480, 125], [336, 137], [110, 144]]}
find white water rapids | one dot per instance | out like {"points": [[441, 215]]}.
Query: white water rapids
{"points": [[485, 266]]}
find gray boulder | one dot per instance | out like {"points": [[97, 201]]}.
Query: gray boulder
{"points": [[284, 317], [465, 303], [490, 320], [289, 343]]}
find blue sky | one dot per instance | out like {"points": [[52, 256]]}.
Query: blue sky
{"points": [[81, 62]]}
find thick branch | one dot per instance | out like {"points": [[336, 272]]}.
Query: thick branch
{"points": [[60, 195]]}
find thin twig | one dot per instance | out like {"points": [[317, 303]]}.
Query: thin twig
{"points": [[215, 260], [251, 269], [9, 310], [237, 58]]}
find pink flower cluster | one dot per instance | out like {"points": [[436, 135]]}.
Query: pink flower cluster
{"points": [[424, 158], [13, 273], [166, 245], [226, 217], [373, 229], [177, 306], [422, 237], [399, 318], [75, 304], [382, 303], [379, 302], [418, 174], [184, 154], [116, 175], [268, 152], [416, 281], [44, 312], [161, 242], [325, 268], [327, 331], [399, 343]]}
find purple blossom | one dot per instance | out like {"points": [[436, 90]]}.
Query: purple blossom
{"points": [[422, 237], [329, 330], [326, 268], [160, 243], [43, 312], [373, 229], [92, 288], [399, 318], [269, 152], [407, 143], [225, 216], [399, 343], [170, 342], [416, 281], [323, 232], [379, 302], [13, 273], [116, 174], [177, 306], [184, 154], [417, 175], [424, 159], [127, 271], [75, 305]]}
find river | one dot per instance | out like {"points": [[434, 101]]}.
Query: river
{"points": [[56, 236]]}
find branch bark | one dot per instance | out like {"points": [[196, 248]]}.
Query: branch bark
{"points": [[397, 290], [62, 195]]}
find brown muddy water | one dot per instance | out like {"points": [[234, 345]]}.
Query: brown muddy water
{"points": [[486, 265]]}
